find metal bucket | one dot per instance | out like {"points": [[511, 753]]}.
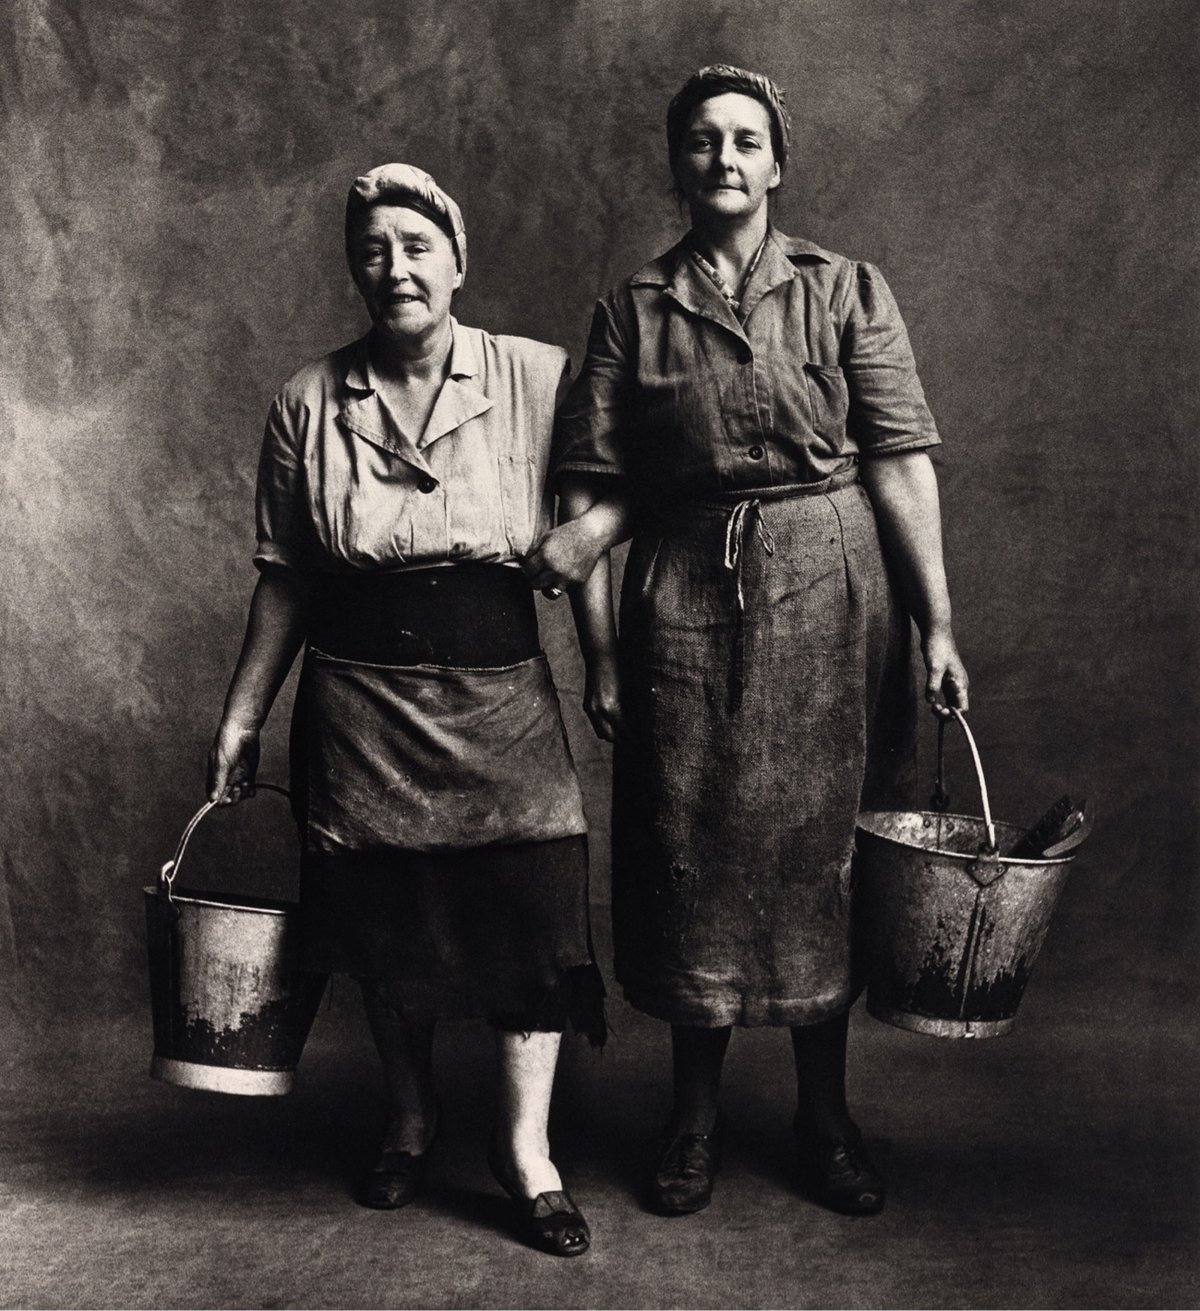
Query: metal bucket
{"points": [[231, 1010], [951, 928]]}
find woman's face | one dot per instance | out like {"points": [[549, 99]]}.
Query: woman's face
{"points": [[726, 165], [404, 268]]}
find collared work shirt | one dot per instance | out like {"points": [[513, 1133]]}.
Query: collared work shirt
{"points": [[687, 402], [342, 486]]}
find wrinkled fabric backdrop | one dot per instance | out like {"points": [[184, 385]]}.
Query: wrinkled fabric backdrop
{"points": [[172, 250]]}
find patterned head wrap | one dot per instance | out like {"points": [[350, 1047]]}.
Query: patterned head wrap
{"points": [[717, 80], [404, 184]]}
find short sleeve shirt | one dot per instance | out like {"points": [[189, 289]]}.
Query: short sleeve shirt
{"points": [[342, 487], [685, 400]]}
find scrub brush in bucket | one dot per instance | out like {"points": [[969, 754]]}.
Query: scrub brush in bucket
{"points": [[1061, 829]]}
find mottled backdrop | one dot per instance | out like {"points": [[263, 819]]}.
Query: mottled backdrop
{"points": [[174, 176]]}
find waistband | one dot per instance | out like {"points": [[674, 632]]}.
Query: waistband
{"points": [[787, 491], [466, 616], [679, 514]]}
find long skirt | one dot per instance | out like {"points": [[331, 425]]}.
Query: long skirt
{"points": [[444, 856], [768, 693]]}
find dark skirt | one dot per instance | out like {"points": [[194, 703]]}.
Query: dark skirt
{"points": [[768, 691], [499, 931]]}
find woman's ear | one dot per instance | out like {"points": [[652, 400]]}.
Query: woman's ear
{"points": [[776, 177], [458, 279]]}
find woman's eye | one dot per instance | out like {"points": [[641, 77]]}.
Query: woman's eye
{"points": [[750, 143], [699, 143], [416, 250]]}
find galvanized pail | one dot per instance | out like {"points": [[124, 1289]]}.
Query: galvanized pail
{"points": [[231, 1011], [950, 927]]}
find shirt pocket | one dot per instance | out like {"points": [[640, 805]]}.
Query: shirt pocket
{"points": [[829, 401], [524, 501]]}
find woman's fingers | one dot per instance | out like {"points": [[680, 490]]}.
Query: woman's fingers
{"points": [[954, 687], [533, 565], [946, 682], [562, 559], [604, 725], [220, 768], [232, 765], [541, 576], [602, 696]]}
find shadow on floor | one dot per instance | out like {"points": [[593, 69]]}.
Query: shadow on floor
{"points": [[1053, 1168]]}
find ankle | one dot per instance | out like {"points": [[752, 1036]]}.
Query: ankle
{"points": [[824, 1123], [525, 1160], [692, 1120], [410, 1129]]}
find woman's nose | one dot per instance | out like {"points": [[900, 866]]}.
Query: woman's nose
{"points": [[397, 269], [727, 155]]}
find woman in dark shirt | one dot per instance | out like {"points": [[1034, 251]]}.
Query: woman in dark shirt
{"points": [[750, 411]]}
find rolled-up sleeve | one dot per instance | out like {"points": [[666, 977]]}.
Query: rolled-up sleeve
{"points": [[281, 537], [888, 412], [593, 420]]}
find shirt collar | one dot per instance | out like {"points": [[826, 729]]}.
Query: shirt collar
{"points": [[460, 399], [464, 360], [732, 296], [660, 272], [679, 277]]}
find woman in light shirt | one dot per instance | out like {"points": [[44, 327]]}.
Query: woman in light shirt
{"points": [[444, 861]]}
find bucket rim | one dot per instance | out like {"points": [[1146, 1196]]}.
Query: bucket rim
{"points": [[221, 902], [965, 857]]}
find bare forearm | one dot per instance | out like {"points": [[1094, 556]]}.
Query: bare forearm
{"points": [[584, 502], [599, 508], [904, 493], [274, 634]]}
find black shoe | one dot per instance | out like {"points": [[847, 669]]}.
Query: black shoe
{"points": [[550, 1221], [395, 1179], [838, 1173], [686, 1169]]}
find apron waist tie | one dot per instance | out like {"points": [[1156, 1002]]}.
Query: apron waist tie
{"points": [[735, 551], [741, 514]]}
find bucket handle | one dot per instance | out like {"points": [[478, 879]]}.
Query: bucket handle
{"points": [[941, 798], [170, 871]]}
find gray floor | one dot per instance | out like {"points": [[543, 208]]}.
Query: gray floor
{"points": [[1056, 1167]]}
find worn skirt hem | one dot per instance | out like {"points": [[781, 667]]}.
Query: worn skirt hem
{"points": [[720, 1013], [575, 1001]]}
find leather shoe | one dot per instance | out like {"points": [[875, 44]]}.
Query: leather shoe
{"points": [[686, 1169], [395, 1178], [550, 1221], [838, 1173]]}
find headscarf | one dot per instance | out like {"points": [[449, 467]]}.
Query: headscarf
{"points": [[405, 184], [717, 80]]}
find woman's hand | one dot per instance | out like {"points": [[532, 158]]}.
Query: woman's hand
{"points": [[946, 677], [565, 556], [602, 696], [233, 762]]}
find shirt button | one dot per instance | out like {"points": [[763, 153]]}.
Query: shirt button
{"points": [[756, 452], [426, 484]]}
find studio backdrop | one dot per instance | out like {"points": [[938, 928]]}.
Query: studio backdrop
{"points": [[174, 177]]}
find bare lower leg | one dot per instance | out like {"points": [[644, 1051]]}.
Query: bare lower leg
{"points": [[698, 1056], [526, 1066], [406, 1051], [820, 1052]]}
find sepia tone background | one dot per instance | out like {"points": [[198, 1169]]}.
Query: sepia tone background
{"points": [[174, 174]]}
